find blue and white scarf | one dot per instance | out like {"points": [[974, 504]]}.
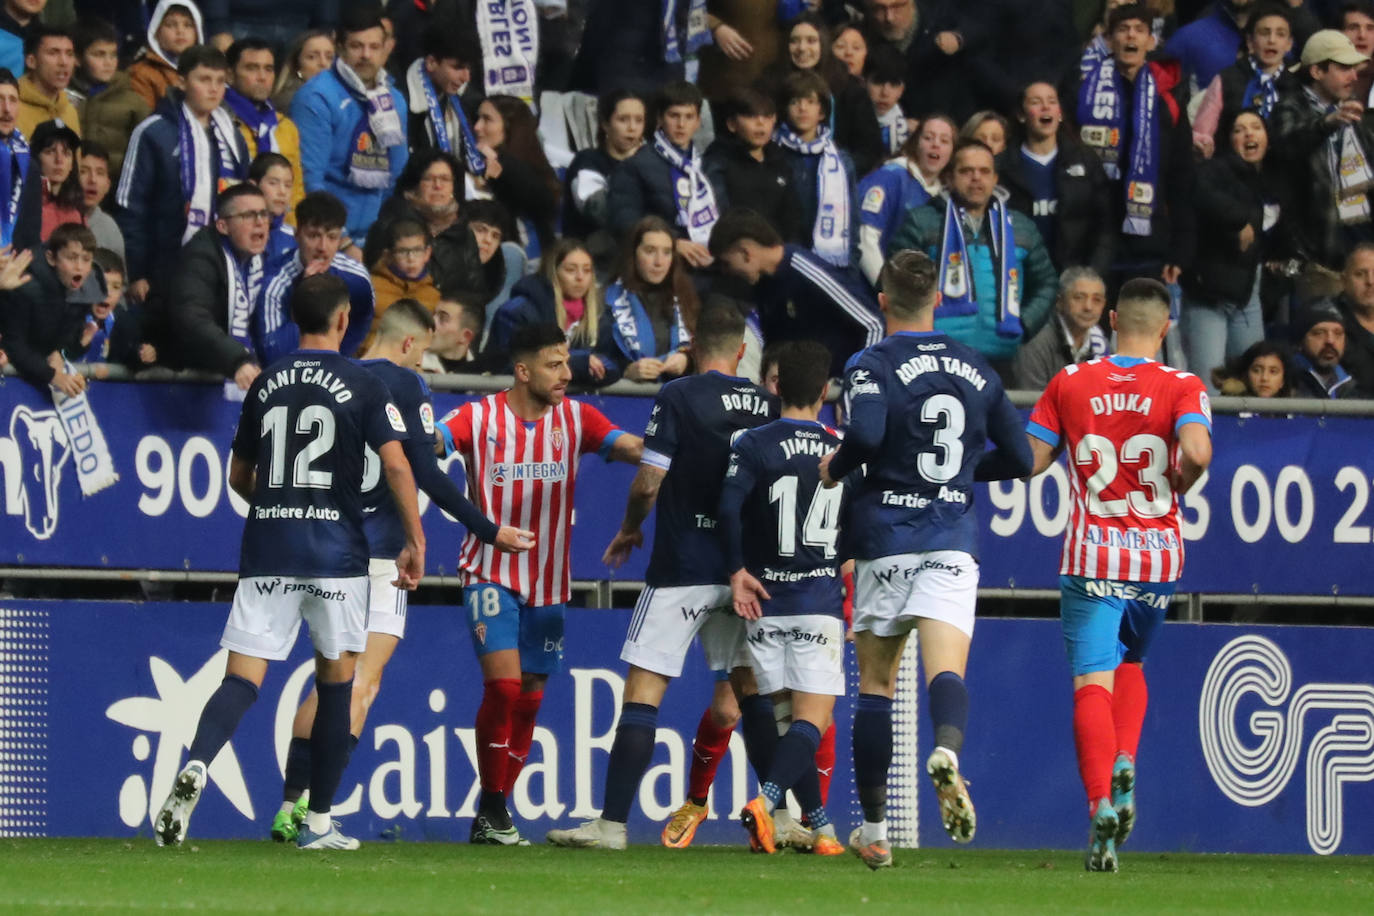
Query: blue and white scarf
{"points": [[956, 273], [205, 172], [895, 129], [1263, 87], [696, 200], [245, 288], [261, 119], [509, 32], [1351, 176], [632, 323], [369, 166], [1100, 112], [98, 350], [830, 233], [1093, 55], [422, 88], [14, 166], [94, 467], [680, 48]]}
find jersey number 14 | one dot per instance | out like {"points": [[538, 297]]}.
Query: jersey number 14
{"points": [[821, 524]]}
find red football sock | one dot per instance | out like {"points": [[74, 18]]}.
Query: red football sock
{"points": [[1094, 735], [848, 580], [825, 761], [1129, 698], [493, 730], [521, 735], [710, 745]]}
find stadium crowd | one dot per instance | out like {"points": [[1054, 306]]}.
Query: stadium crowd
{"points": [[554, 160]]}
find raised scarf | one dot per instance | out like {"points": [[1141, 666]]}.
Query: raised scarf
{"points": [[1102, 119], [14, 166], [509, 33]]}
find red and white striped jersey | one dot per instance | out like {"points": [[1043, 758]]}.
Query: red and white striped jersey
{"points": [[523, 473], [1118, 419]]}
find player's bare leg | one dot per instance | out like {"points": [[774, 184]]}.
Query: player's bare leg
{"points": [[502, 678], [879, 659], [708, 748], [944, 655]]}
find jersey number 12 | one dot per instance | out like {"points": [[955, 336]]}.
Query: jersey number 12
{"points": [[313, 419]]}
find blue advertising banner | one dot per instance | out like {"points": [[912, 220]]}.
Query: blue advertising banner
{"points": [[1258, 739], [1285, 508]]}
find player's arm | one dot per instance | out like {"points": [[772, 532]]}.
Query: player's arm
{"points": [[643, 495], [1194, 455], [1012, 455], [654, 459], [1043, 429], [745, 590], [867, 425], [241, 474], [627, 448], [411, 562], [1042, 455], [448, 496]]}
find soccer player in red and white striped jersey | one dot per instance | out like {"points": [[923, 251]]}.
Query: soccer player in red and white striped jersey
{"points": [[521, 448], [1138, 435]]}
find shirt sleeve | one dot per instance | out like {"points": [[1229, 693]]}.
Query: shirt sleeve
{"points": [[598, 433], [1044, 419], [1193, 405], [661, 432], [247, 435], [456, 430], [739, 482], [382, 420], [863, 392]]}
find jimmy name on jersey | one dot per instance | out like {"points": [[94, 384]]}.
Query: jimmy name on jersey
{"points": [[779, 522], [305, 423], [688, 436]]}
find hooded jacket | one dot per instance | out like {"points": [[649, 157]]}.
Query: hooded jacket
{"points": [[155, 70], [35, 108]]}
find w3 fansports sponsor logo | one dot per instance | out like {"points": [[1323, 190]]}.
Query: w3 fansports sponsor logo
{"points": [[424, 767], [1253, 752]]}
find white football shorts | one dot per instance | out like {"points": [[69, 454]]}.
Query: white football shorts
{"points": [[892, 593], [798, 652], [666, 619], [386, 604], [268, 610]]}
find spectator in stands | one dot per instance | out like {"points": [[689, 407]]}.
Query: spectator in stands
{"points": [[54, 147], [49, 60], [586, 192], [161, 204], [353, 122], [1320, 336], [1357, 22], [752, 171], [16, 18], [894, 190], [565, 293], [272, 173], [1324, 148], [311, 53], [434, 88], [515, 170], [1211, 42], [252, 71], [849, 117], [1357, 308], [936, 43], [502, 261], [1265, 370], [747, 39], [277, 22], [1147, 159], [797, 296], [885, 78], [851, 49], [15, 157], [205, 316], [988, 128], [1238, 211], [106, 102], [173, 29], [1072, 335], [666, 179], [43, 319], [404, 270], [996, 280], [651, 308], [457, 328], [1059, 183], [822, 174], [113, 332], [94, 176], [320, 219], [627, 44], [1257, 81]]}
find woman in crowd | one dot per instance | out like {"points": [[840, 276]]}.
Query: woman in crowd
{"points": [[1237, 216], [822, 172], [1262, 371], [517, 172], [564, 293], [650, 310], [851, 49], [988, 128], [621, 114], [61, 200], [311, 53], [906, 182]]}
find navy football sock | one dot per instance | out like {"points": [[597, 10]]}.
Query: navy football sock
{"points": [[630, 756], [760, 731], [949, 710], [872, 741], [221, 716], [329, 743], [297, 769], [795, 754]]}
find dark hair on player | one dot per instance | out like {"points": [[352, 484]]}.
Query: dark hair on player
{"points": [[405, 229], [803, 373], [109, 262], [801, 84], [315, 302], [89, 30], [38, 31], [1143, 289], [451, 44], [747, 102], [678, 92], [248, 43], [885, 64], [1131, 12], [741, 224], [322, 210], [404, 317], [201, 56], [908, 280], [720, 328], [526, 343], [264, 162], [69, 233], [359, 17], [233, 193], [91, 149]]}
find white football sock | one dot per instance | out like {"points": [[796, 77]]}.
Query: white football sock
{"points": [[871, 833], [317, 822]]}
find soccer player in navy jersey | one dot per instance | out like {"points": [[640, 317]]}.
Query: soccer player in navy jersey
{"points": [[686, 449], [780, 526], [1121, 420], [403, 334], [298, 459], [922, 408]]}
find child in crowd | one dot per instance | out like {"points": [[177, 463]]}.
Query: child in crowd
{"points": [[273, 175], [403, 272], [94, 175], [106, 101], [113, 332], [175, 26], [885, 76]]}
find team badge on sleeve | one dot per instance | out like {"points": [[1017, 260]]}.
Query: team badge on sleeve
{"points": [[1204, 404], [394, 416], [861, 382], [427, 418], [873, 200]]}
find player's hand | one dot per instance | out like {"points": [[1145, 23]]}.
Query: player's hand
{"points": [[514, 540], [747, 592], [826, 480], [410, 567], [618, 551], [244, 375]]}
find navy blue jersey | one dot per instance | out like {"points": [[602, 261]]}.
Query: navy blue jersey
{"points": [[779, 522], [922, 409], [305, 423], [688, 435]]}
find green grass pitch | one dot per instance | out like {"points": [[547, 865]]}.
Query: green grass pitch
{"points": [[412, 878]]}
